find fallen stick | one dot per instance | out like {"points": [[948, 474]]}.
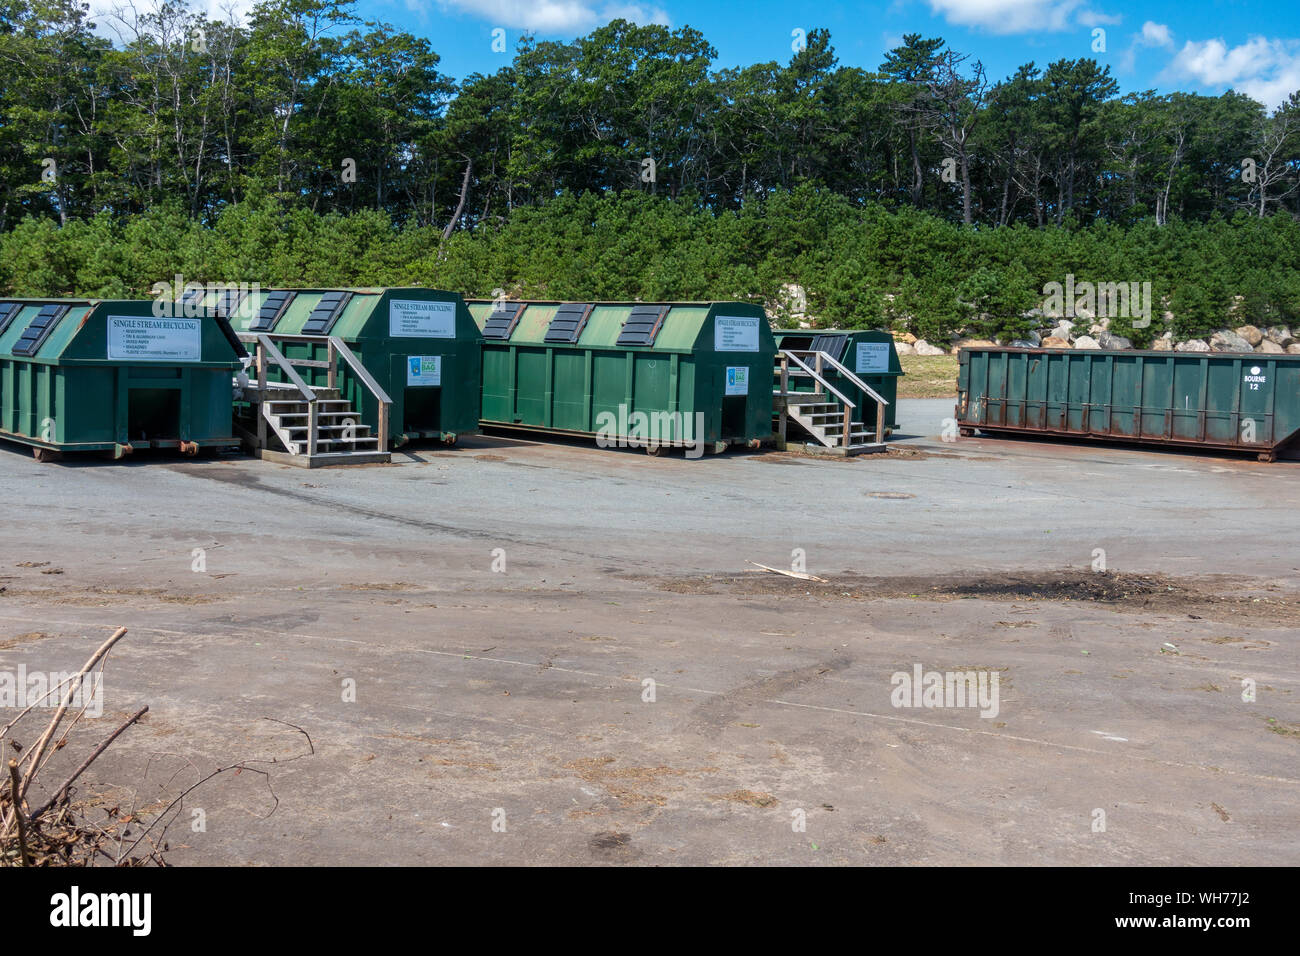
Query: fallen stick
{"points": [[789, 574], [44, 742], [18, 813], [87, 762]]}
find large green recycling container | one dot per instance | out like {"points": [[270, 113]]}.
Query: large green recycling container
{"points": [[630, 373], [420, 345], [869, 354], [1226, 400], [92, 374]]}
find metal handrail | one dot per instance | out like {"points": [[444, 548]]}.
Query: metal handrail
{"points": [[336, 346], [385, 403], [843, 370], [788, 355], [264, 342], [816, 375]]}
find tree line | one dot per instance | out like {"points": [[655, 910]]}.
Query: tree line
{"points": [[309, 106], [861, 265]]}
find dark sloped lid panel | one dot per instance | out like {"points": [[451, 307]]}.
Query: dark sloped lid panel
{"points": [[273, 307], [34, 336], [326, 313], [642, 325], [501, 323], [8, 310], [567, 324]]}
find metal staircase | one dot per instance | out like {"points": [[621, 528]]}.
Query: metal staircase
{"points": [[314, 425], [823, 411]]}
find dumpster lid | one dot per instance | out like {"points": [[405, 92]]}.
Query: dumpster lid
{"points": [[228, 302], [7, 312], [568, 322], [642, 325], [39, 329], [273, 307], [505, 316], [832, 343], [328, 309]]}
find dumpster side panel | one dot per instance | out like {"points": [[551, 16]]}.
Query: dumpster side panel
{"points": [[1244, 402]]}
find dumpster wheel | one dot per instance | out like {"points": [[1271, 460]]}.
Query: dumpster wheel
{"points": [[1268, 455], [967, 432], [45, 454], [655, 450]]}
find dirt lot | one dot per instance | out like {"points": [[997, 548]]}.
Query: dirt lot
{"points": [[524, 652]]}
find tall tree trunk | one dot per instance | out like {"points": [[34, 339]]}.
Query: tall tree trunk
{"points": [[464, 194]]}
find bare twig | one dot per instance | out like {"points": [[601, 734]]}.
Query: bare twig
{"points": [[18, 813], [88, 761], [44, 742]]}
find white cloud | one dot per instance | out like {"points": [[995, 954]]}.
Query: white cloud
{"points": [[1266, 69], [555, 16], [1020, 16], [1155, 34]]}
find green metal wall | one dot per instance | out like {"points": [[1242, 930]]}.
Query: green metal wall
{"points": [[1174, 398], [585, 387], [71, 396]]}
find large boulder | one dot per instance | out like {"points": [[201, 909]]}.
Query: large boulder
{"points": [[1269, 347], [1293, 348], [1109, 340], [1053, 342], [1279, 335], [1192, 345], [922, 347], [974, 344], [904, 348], [1086, 342], [1064, 329], [1226, 340], [903, 337], [1251, 334], [1163, 344]]}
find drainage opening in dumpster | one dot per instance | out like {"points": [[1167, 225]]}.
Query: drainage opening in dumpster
{"points": [[153, 414], [423, 410]]}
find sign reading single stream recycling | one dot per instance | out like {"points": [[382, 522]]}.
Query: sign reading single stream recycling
{"points": [[424, 370], [735, 333], [137, 338], [873, 357], [422, 320], [738, 380]]}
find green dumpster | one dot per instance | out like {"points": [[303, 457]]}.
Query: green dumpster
{"points": [[419, 345], [637, 374], [89, 374], [1248, 402], [869, 354]]}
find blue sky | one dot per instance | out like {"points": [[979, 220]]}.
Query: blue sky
{"points": [[1206, 46]]}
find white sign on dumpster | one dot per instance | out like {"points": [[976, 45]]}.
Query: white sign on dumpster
{"points": [[735, 333], [424, 370], [738, 380], [412, 319], [137, 338], [873, 357]]}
